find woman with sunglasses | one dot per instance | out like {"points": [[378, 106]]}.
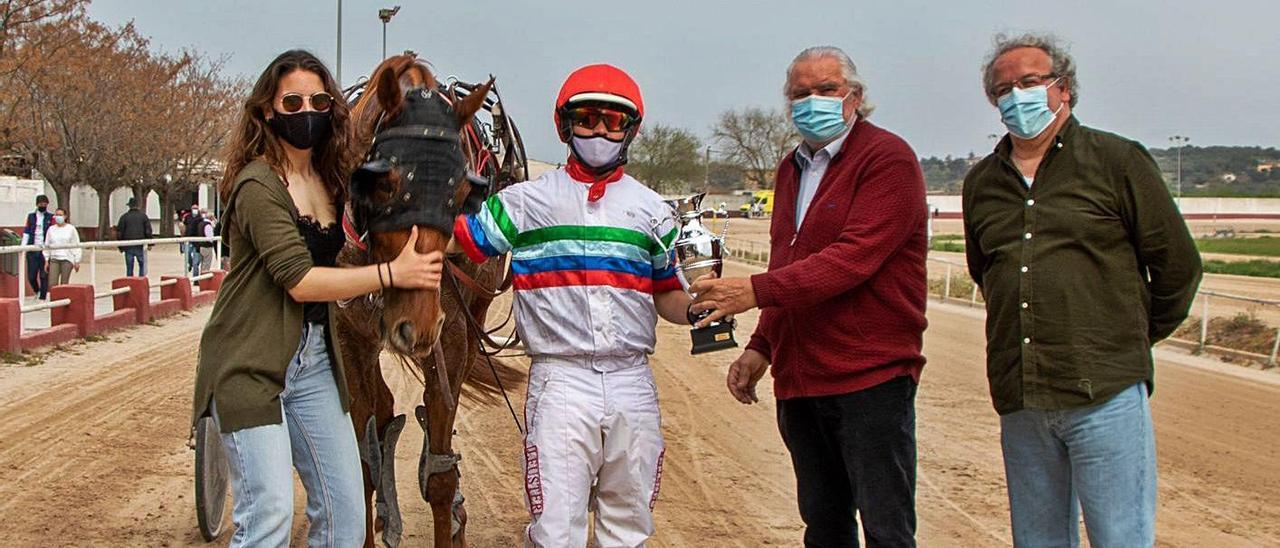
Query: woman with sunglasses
{"points": [[270, 371]]}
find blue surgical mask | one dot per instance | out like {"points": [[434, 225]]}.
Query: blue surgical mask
{"points": [[1026, 111], [819, 118]]}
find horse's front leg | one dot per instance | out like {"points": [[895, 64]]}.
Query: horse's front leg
{"points": [[438, 465], [377, 432]]}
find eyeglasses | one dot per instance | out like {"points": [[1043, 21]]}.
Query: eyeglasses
{"points": [[320, 101], [1028, 81], [590, 117]]}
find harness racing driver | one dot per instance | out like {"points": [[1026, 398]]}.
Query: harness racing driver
{"points": [[590, 280]]}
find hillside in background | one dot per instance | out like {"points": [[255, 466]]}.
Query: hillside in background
{"points": [[1206, 171]]}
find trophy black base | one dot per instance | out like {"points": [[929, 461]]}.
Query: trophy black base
{"points": [[717, 336]]}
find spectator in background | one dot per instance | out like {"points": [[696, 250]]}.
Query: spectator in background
{"points": [[60, 262], [192, 230], [38, 223], [206, 248], [179, 222], [222, 243], [134, 225]]}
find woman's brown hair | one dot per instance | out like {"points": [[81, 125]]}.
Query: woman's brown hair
{"points": [[333, 159]]}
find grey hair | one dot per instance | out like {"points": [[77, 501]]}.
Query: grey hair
{"points": [[847, 67], [1063, 65]]}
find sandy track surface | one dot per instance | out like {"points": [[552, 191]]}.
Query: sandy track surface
{"points": [[93, 449]]}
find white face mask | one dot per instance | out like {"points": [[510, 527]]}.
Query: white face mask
{"points": [[596, 151]]}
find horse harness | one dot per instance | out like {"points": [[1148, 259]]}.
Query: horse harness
{"points": [[427, 133]]}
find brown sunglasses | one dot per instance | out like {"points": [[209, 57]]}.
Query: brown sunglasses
{"points": [[320, 102]]}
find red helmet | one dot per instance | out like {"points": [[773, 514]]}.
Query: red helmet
{"points": [[600, 83]]}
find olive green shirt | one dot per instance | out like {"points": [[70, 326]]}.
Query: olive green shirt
{"points": [[255, 327], [1082, 271]]}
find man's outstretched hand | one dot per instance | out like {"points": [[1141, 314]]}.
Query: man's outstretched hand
{"points": [[722, 296]]}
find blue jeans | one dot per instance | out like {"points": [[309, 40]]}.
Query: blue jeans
{"points": [[1101, 459], [132, 255], [316, 438], [193, 259], [37, 277]]}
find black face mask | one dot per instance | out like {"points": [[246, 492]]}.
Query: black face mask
{"points": [[303, 130], [41, 208]]}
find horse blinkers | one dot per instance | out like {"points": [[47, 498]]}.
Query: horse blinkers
{"points": [[424, 150]]}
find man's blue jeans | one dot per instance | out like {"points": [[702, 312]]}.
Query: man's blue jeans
{"points": [[1101, 459], [316, 438], [193, 259], [37, 277], [132, 255]]}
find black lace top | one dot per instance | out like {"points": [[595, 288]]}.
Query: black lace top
{"points": [[324, 243]]}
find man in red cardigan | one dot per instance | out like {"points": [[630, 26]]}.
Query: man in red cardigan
{"points": [[842, 310]]}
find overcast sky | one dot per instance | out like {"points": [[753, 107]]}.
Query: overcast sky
{"points": [[1147, 69]]}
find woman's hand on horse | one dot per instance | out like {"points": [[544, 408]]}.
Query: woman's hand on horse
{"points": [[413, 270]]}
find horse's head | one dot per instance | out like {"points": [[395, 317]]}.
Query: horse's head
{"points": [[415, 174]]}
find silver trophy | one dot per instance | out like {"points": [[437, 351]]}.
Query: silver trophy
{"points": [[698, 252]]}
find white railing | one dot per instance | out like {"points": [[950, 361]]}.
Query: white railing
{"points": [[754, 252], [748, 251], [1207, 295], [946, 282], [93, 248], [1204, 295]]}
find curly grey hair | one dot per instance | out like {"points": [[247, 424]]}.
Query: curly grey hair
{"points": [[847, 67], [1063, 65]]}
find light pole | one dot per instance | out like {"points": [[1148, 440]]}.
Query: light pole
{"points": [[339, 62], [385, 15], [1179, 141], [706, 168]]}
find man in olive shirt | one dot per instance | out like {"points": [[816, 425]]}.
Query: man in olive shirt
{"points": [[1085, 262]]}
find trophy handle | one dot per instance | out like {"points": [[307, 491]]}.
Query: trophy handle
{"points": [[656, 234]]}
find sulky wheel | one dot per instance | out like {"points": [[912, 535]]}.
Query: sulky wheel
{"points": [[211, 480]]}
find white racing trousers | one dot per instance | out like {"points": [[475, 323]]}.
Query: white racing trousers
{"points": [[594, 442]]}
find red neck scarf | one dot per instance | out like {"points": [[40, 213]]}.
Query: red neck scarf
{"points": [[583, 174]]}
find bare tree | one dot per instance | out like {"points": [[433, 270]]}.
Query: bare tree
{"points": [[200, 109], [756, 139], [92, 110], [53, 95], [666, 158], [95, 105], [24, 39]]}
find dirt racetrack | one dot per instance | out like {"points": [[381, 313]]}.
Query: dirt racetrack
{"points": [[93, 449]]}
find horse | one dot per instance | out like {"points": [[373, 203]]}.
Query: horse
{"points": [[428, 159]]}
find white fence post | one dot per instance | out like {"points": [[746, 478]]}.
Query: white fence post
{"points": [[946, 284], [93, 267], [1274, 348], [22, 276], [973, 299], [1204, 322], [22, 281]]}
